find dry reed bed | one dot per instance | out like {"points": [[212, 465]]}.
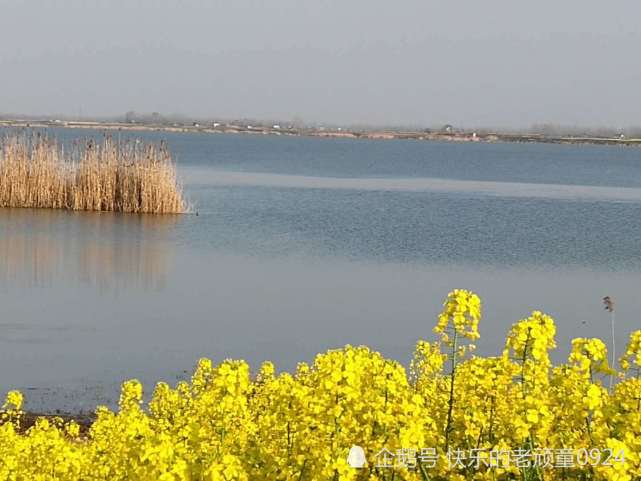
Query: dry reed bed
{"points": [[133, 176]]}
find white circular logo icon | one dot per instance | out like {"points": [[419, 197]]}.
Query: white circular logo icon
{"points": [[356, 457]]}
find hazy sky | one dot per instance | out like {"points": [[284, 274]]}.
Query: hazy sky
{"points": [[422, 62]]}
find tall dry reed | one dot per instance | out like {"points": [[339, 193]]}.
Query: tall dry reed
{"points": [[112, 176]]}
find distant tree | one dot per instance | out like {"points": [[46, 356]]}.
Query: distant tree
{"points": [[130, 117], [298, 122], [634, 132]]}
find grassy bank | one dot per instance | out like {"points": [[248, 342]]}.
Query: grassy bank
{"points": [[36, 172]]}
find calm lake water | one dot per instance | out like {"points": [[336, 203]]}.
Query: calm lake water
{"points": [[304, 244]]}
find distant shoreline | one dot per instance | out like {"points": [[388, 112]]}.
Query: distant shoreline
{"points": [[443, 135]]}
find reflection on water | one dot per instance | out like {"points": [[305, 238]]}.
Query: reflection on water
{"points": [[44, 247], [210, 177]]}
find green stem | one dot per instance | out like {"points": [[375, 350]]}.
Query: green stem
{"points": [[450, 404], [614, 349]]}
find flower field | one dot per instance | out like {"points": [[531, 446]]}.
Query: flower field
{"points": [[450, 416]]}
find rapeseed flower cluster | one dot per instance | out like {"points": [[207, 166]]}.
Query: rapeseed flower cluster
{"points": [[632, 356], [229, 424]]}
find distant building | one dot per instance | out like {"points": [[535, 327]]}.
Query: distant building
{"points": [[447, 128]]}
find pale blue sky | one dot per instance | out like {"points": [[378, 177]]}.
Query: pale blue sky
{"points": [[420, 62]]}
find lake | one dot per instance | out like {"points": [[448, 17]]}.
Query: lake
{"points": [[306, 244]]}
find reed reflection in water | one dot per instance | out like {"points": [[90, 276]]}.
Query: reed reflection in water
{"points": [[105, 250]]}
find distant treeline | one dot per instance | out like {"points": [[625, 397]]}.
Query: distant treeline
{"points": [[555, 130], [168, 120]]}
